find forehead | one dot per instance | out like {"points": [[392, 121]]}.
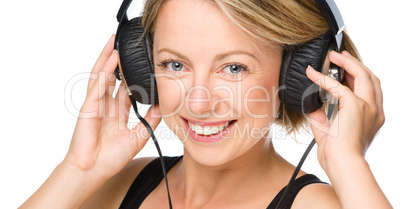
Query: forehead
{"points": [[199, 26]]}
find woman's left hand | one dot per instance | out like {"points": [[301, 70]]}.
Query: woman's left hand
{"points": [[360, 114]]}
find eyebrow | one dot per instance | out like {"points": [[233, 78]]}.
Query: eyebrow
{"points": [[217, 57]]}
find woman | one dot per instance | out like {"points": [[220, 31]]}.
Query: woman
{"points": [[216, 53]]}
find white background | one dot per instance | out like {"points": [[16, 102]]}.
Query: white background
{"points": [[48, 48]]}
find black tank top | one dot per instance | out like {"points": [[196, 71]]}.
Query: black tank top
{"points": [[152, 175]]}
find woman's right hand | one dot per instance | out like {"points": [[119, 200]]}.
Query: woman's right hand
{"points": [[102, 144]]}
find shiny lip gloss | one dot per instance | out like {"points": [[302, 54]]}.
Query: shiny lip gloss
{"points": [[208, 138]]}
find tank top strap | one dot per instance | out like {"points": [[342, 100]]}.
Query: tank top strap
{"points": [[151, 175], [146, 181], [298, 184]]}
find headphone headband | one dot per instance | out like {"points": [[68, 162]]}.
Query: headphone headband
{"points": [[328, 7], [334, 19], [121, 15]]}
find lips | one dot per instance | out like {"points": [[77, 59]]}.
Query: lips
{"points": [[208, 131]]}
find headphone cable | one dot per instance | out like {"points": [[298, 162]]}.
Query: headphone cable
{"points": [[331, 108], [134, 103]]}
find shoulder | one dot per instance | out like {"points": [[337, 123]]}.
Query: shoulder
{"points": [[316, 196], [111, 194]]}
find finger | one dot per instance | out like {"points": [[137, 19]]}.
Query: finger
{"points": [[102, 59], [363, 86], [111, 85], [123, 105], [350, 81], [109, 102], [378, 94], [377, 90], [331, 85], [375, 80], [380, 117], [320, 125], [140, 132], [103, 81]]}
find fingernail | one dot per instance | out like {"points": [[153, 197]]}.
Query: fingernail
{"points": [[347, 53], [310, 68], [111, 77], [333, 54]]}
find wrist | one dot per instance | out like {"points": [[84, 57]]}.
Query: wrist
{"points": [[344, 164], [76, 184], [89, 179], [67, 187], [83, 170], [336, 159], [354, 183]]}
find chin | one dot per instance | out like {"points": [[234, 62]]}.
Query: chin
{"points": [[216, 156], [209, 158]]}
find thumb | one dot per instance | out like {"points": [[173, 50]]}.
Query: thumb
{"points": [[319, 124]]}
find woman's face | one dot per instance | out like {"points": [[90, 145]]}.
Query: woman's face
{"points": [[217, 88]]}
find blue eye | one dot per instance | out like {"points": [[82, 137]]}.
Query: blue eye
{"points": [[171, 65], [175, 66], [234, 69]]}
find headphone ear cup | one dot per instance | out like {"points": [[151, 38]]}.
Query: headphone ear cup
{"points": [[136, 61], [296, 91]]}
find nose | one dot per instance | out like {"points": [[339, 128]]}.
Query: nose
{"points": [[200, 97]]}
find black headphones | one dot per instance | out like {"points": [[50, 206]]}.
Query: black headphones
{"points": [[296, 91]]}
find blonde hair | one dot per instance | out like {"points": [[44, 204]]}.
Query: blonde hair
{"points": [[288, 23]]}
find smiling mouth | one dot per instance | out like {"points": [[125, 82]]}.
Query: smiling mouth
{"points": [[208, 130]]}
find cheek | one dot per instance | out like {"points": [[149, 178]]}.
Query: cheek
{"points": [[259, 110], [170, 103], [256, 102], [260, 100]]}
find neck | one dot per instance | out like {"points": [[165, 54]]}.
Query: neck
{"points": [[198, 184]]}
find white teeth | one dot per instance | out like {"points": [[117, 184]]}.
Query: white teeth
{"points": [[207, 130]]}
